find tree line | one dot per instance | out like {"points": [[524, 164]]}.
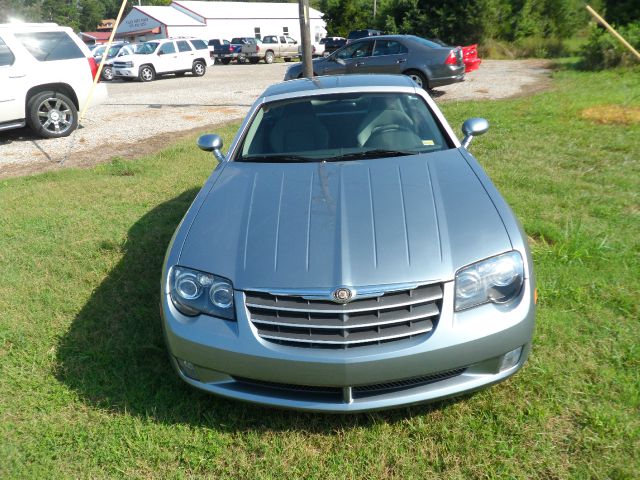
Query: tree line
{"points": [[470, 21]]}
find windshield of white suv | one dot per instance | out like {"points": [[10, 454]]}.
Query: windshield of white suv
{"points": [[147, 48], [342, 127]]}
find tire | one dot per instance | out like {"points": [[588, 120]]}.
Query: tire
{"points": [[146, 73], [268, 57], [52, 114], [226, 61], [199, 68], [418, 77], [107, 73]]}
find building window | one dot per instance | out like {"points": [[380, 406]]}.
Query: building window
{"points": [[257, 32], [285, 30]]}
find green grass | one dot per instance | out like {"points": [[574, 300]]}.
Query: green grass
{"points": [[86, 390]]}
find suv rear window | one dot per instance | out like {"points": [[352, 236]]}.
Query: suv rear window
{"points": [[199, 44], [49, 46]]}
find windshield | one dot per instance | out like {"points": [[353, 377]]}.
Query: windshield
{"points": [[342, 127], [147, 48]]}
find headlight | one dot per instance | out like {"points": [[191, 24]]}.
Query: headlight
{"points": [[497, 279], [194, 292]]}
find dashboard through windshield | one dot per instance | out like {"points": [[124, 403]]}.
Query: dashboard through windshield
{"points": [[342, 127]]}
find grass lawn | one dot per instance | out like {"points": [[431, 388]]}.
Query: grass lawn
{"points": [[86, 390]]}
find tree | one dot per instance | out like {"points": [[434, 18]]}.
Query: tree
{"points": [[91, 13]]}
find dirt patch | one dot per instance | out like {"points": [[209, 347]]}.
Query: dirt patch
{"points": [[103, 154], [612, 114]]}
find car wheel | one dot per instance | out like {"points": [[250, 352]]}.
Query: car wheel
{"points": [[226, 61], [417, 77], [147, 73], [268, 57], [107, 73], [52, 115], [199, 68]]}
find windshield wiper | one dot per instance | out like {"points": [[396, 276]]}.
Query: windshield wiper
{"points": [[276, 158], [376, 153]]}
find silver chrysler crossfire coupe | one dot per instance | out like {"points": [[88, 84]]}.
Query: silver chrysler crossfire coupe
{"points": [[347, 254]]}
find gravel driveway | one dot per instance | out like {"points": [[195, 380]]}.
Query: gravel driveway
{"points": [[139, 118]]}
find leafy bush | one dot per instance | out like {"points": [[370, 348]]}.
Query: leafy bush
{"points": [[603, 50]]}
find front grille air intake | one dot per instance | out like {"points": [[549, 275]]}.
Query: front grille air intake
{"points": [[299, 322]]}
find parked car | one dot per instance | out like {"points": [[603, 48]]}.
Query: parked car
{"points": [[367, 32], [219, 49], [331, 44], [470, 58], [427, 63], [278, 46], [159, 57], [46, 74], [116, 50], [251, 49], [362, 260]]}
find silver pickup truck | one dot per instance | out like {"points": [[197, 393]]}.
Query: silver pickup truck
{"points": [[278, 46]]}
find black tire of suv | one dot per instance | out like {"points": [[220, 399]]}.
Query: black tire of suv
{"points": [[146, 73], [107, 73], [268, 57], [199, 68], [39, 115]]}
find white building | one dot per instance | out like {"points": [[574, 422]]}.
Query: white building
{"points": [[218, 20]]}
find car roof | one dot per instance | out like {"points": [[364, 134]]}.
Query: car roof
{"points": [[337, 82]]}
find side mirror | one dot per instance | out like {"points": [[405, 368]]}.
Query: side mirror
{"points": [[211, 143], [160, 52], [472, 128]]}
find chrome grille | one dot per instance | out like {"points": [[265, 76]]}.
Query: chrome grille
{"points": [[393, 316]]}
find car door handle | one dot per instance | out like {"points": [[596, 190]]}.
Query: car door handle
{"points": [[358, 64], [18, 75], [402, 60]]}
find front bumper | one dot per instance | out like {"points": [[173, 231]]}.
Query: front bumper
{"points": [[131, 72], [463, 354]]}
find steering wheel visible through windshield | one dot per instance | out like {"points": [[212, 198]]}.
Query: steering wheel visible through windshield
{"points": [[342, 127]]}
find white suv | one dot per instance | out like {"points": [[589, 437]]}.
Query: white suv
{"points": [[46, 73], [157, 57]]}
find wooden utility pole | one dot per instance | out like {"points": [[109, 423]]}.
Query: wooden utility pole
{"points": [[620, 38], [305, 41]]}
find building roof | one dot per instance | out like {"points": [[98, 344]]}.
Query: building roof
{"points": [[169, 16], [222, 10], [97, 36]]}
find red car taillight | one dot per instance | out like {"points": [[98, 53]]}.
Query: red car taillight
{"points": [[93, 66], [451, 59], [257, 48]]}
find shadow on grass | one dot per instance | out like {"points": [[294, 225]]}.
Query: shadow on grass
{"points": [[114, 355]]}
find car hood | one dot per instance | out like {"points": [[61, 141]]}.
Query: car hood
{"points": [[360, 223]]}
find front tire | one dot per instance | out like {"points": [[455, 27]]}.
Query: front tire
{"points": [[199, 68], [268, 57], [107, 73], [418, 77], [146, 73], [52, 115]]}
